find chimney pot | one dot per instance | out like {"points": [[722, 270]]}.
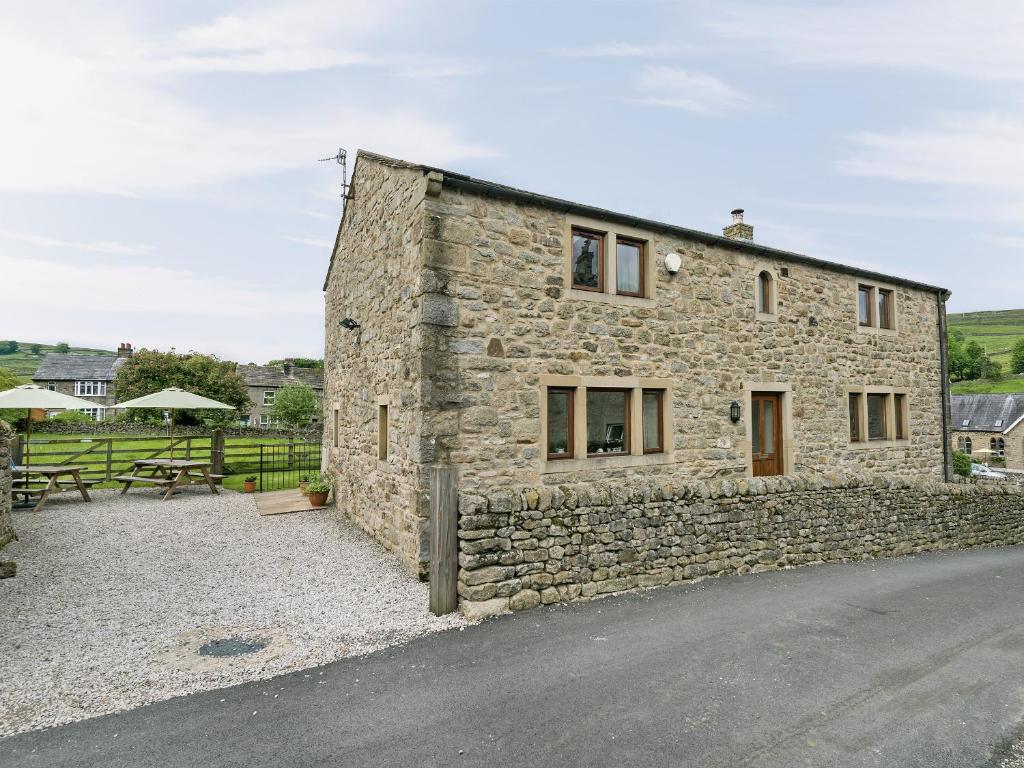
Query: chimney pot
{"points": [[124, 349], [738, 230]]}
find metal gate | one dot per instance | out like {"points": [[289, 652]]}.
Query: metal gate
{"points": [[285, 465]]}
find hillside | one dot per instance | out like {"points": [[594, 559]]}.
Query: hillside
{"points": [[996, 332], [23, 363]]}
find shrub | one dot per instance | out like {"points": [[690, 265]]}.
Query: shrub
{"points": [[961, 464], [71, 417], [322, 484]]}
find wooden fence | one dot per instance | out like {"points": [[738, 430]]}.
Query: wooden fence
{"points": [[107, 457]]}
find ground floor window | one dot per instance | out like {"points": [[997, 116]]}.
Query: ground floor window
{"points": [[607, 421], [654, 420], [560, 423], [963, 444], [998, 446], [878, 416], [856, 433]]}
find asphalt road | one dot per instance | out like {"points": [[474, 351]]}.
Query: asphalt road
{"points": [[911, 662]]}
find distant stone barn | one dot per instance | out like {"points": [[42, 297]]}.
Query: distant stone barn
{"points": [[530, 341], [989, 428]]}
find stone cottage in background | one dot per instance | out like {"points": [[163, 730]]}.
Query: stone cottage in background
{"points": [[536, 342], [91, 377], [988, 428], [263, 383]]}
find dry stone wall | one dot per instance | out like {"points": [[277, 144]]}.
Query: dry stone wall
{"points": [[6, 526], [520, 548]]}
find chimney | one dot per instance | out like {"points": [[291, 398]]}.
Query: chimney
{"points": [[287, 366], [738, 230], [124, 349]]}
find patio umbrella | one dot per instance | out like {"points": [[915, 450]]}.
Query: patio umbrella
{"points": [[172, 399], [31, 396]]}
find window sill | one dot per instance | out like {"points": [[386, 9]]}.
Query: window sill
{"points": [[558, 466], [610, 298], [766, 317], [872, 330]]}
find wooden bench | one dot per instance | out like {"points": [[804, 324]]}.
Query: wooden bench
{"points": [[200, 474], [129, 479]]}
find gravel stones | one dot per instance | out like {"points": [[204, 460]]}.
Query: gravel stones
{"points": [[113, 598]]}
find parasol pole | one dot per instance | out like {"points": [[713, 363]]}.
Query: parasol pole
{"points": [[28, 435], [170, 426]]}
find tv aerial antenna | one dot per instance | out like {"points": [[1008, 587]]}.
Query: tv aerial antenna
{"points": [[341, 159]]}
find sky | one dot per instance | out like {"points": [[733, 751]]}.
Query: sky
{"points": [[159, 174]]}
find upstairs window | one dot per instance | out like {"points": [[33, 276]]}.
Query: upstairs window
{"points": [[629, 267], [93, 388], [885, 309], [876, 307], [765, 293], [268, 397], [864, 314], [587, 260], [52, 386]]}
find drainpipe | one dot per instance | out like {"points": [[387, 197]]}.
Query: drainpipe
{"points": [[940, 307]]}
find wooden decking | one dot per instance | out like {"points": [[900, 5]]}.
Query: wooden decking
{"points": [[282, 502]]}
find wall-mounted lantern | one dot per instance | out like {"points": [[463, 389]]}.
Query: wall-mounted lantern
{"points": [[734, 411], [349, 324]]}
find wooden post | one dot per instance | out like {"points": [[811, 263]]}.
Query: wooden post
{"points": [[444, 542], [110, 459], [217, 454]]}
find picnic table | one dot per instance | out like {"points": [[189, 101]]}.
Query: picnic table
{"points": [[168, 473], [23, 486]]}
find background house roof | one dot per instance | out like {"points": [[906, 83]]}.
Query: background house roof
{"points": [[60, 366], [986, 413], [273, 376]]}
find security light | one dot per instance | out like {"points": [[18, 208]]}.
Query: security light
{"points": [[349, 323]]}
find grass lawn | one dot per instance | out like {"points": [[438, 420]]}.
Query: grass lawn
{"points": [[985, 387], [241, 454], [996, 332], [23, 363]]}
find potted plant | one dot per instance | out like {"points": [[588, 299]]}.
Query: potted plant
{"points": [[318, 490], [304, 485], [250, 484]]}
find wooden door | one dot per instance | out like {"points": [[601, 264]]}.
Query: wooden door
{"points": [[766, 433]]}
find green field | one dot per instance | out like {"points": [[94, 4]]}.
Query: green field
{"points": [[23, 363], [996, 332], [241, 454]]}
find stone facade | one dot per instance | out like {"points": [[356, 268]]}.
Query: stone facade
{"points": [[261, 379], [1013, 446], [520, 548], [6, 526], [467, 314]]}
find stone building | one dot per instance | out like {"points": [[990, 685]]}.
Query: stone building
{"points": [[91, 377], [989, 428], [536, 342], [264, 381]]}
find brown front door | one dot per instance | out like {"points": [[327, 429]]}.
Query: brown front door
{"points": [[766, 433]]}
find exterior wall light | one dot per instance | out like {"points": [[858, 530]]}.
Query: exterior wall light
{"points": [[349, 324], [734, 411]]}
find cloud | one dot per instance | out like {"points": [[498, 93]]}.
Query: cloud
{"points": [[699, 92], [311, 241], [981, 39], [616, 50], [109, 247], [976, 151]]}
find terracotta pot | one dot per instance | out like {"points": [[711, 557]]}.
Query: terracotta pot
{"points": [[302, 488], [317, 499], [250, 486]]}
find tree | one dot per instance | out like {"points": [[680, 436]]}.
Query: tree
{"points": [[62, 346], [9, 381], [149, 371], [1017, 357], [956, 355], [294, 405], [299, 362], [8, 347], [991, 369], [36, 349]]}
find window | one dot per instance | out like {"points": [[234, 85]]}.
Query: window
{"points": [[382, 432], [268, 397], [998, 423], [336, 427], [966, 423], [92, 413], [964, 444], [560, 423], [856, 434], [765, 299], [885, 309], [877, 426], [629, 267], [93, 388], [607, 421], [587, 260], [997, 446], [899, 408], [864, 306], [264, 420], [653, 420], [52, 386], [876, 307]]}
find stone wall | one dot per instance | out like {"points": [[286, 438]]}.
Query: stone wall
{"points": [[375, 279], [520, 548], [6, 526]]}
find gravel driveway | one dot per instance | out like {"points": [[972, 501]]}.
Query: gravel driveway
{"points": [[114, 599]]}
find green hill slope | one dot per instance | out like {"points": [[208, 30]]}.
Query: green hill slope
{"points": [[23, 363], [996, 332]]}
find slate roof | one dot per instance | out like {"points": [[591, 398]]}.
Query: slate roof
{"points": [[274, 376], [61, 366], [986, 413]]}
